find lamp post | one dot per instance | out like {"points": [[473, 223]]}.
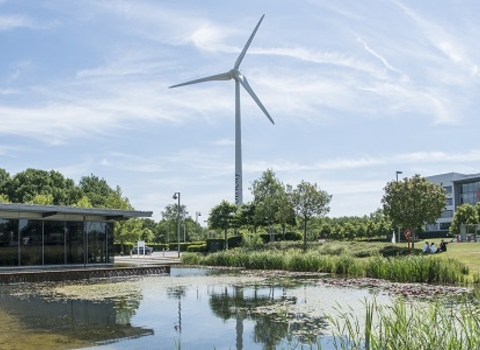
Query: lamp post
{"points": [[398, 172], [176, 195], [197, 214]]}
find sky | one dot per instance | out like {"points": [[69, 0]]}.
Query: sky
{"points": [[358, 90]]}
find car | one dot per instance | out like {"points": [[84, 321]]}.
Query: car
{"points": [[148, 250]]}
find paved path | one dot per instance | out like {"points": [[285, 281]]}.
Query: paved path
{"points": [[156, 258]]}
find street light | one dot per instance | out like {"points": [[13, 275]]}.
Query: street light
{"points": [[176, 195], [398, 172], [197, 214]]}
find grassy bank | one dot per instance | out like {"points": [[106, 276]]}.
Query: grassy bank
{"points": [[338, 259]]}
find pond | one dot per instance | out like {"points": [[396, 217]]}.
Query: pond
{"points": [[192, 308]]}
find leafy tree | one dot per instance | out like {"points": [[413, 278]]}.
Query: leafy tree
{"points": [[285, 214], [44, 199], [170, 215], [153, 227], [325, 230], [147, 235], [268, 193], [83, 202], [3, 198], [125, 231], [413, 202], [128, 231], [309, 201], [24, 186], [465, 214], [4, 179], [222, 217], [115, 200], [246, 217], [97, 190]]}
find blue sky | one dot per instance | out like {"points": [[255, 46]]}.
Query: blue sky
{"points": [[357, 89]]}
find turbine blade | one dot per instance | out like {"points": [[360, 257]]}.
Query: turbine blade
{"points": [[222, 76], [244, 82], [245, 48]]}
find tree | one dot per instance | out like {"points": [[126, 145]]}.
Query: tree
{"points": [[83, 202], [465, 214], [125, 231], [26, 185], [3, 198], [285, 214], [268, 192], [128, 231], [246, 217], [43, 199], [149, 225], [4, 180], [170, 215], [97, 190], [413, 202], [222, 217], [309, 201]]}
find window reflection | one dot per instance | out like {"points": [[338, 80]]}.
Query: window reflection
{"points": [[74, 242], [30, 242], [25, 242], [9, 242]]}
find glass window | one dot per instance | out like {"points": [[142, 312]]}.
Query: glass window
{"points": [[448, 189], [25, 242], [74, 242], [9, 242], [449, 201], [54, 242], [447, 214], [445, 225], [97, 242], [30, 242]]}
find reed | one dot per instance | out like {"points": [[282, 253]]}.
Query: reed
{"points": [[399, 326], [408, 269]]}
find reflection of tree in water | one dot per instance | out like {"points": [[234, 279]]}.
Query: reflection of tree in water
{"points": [[126, 308], [264, 305], [177, 293]]}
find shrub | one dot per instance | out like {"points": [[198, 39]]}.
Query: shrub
{"points": [[200, 248]]}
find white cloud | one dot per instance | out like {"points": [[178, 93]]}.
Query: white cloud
{"points": [[9, 22]]}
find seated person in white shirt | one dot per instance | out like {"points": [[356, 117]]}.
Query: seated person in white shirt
{"points": [[426, 248], [433, 248]]}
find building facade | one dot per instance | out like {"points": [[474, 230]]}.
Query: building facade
{"points": [[460, 189], [39, 235]]}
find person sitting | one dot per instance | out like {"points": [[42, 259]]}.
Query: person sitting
{"points": [[426, 248], [433, 248], [443, 246]]}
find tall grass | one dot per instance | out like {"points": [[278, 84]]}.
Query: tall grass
{"points": [[399, 326], [400, 269]]}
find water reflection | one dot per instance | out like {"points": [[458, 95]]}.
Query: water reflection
{"points": [[267, 307], [62, 321], [190, 309], [177, 293]]}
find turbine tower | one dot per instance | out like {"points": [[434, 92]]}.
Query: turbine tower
{"points": [[240, 79]]}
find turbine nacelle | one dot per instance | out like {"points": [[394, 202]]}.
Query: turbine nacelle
{"points": [[235, 73]]}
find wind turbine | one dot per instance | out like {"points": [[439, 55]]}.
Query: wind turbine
{"points": [[240, 79]]}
